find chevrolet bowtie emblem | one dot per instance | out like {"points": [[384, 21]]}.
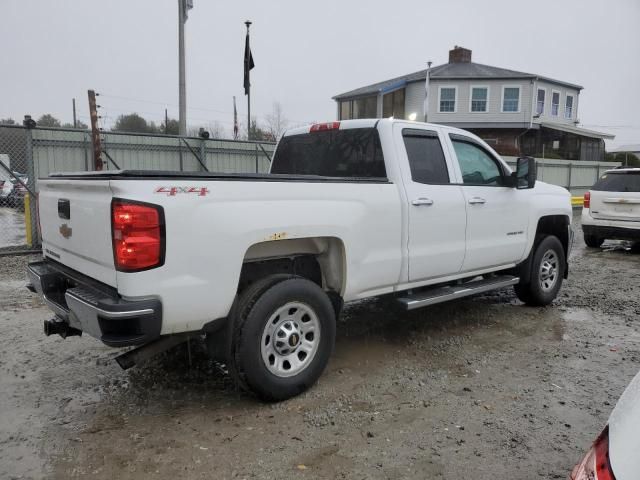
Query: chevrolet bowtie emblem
{"points": [[65, 230]]}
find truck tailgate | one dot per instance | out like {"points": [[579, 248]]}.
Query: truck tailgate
{"points": [[75, 218]]}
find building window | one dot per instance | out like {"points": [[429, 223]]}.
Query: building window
{"points": [[393, 104], [542, 93], [447, 101], [479, 99], [568, 107], [345, 109], [555, 103], [511, 99], [365, 107]]}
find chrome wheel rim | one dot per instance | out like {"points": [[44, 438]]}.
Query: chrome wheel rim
{"points": [[549, 268], [290, 339]]}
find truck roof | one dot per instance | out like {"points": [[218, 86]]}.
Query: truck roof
{"points": [[360, 123]]}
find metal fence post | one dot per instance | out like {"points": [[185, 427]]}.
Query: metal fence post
{"points": [[569, 177], [257, 167], [203, 152], [31, 183]]}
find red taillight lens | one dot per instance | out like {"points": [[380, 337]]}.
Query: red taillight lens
{"points": [[321, 127], [587, 200], [595, 465], [138, 235]]}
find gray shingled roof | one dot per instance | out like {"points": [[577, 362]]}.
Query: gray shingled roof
{"points": [[466, 70]]}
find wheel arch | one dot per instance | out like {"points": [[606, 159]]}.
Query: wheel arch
{"points": [[556, 225], [320, 259]]}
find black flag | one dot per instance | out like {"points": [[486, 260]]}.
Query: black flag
{"points": [[248, 65]]}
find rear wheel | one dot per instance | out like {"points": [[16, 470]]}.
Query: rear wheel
{"points": [[592, 241], [547, 272], [283, 333]]}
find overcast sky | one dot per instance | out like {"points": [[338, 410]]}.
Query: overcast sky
{"points": [[305, 52]]}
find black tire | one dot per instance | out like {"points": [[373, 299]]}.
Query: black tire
{"points": [[592, 241], [538, 290], [635, 247], [249, 322]]}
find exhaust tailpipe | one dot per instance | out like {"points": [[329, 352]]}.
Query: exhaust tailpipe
{"points": [[58, 327]]}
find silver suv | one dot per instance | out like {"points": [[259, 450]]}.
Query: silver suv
{"points": [[612, 208]]}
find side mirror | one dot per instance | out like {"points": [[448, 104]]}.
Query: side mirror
{"points": [[526, 173]]}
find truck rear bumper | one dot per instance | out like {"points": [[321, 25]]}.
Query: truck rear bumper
{"points": [[95, 308]]}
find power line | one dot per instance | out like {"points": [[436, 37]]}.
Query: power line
{"points": [[203, 109]]}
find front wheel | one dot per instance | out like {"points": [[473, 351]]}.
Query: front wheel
{"points": [[547, 272], [283, 334]]}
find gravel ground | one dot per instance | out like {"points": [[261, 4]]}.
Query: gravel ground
{"points": [[483, 388]]}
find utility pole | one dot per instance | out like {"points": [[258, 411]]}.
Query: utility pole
{"points": [[95, 131], [75, 121], [166, 122], [183, 8]]}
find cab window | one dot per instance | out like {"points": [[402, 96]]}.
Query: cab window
{"points": [[426, 157], [478, 167]]}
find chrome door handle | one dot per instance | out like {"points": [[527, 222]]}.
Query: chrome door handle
{"points": [[477, 200], [422, 201]]}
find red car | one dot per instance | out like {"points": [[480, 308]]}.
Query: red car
{"points": [[615, 454]]}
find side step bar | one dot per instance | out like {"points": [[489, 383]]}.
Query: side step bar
{"points": [[444, 294]]}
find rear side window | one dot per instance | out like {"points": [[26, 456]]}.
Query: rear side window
{"points": [[618, 182], [354, 152], [426, 157]]}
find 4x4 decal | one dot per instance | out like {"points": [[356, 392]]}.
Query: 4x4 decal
{"points": [[173, 191]]}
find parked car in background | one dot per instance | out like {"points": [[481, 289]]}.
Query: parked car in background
{"points": [[16, 195], [612, 208], [5, 187], [614, 454]]}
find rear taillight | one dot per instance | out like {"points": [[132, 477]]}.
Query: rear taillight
{"points": [[595, 465], [587, 200], [321, 127], [138, 235]]}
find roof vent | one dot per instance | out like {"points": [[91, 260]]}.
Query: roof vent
{"points": [[459, 55]]}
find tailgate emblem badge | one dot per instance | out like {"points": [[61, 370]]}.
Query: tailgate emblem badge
{"points": [[65, 230]]}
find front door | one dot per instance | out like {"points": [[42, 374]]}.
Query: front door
{"points": [[497, 215], [436, 208]]}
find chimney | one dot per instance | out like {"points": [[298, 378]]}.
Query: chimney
{"points": [[459, 55]]}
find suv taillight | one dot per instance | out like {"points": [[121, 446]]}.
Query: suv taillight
{"points": [[138, 235], [587, 200]]}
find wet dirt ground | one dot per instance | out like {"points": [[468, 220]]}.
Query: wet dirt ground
{"points": [[12, 228], [482, 388]]}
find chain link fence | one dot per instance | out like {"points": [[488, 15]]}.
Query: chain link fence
{"points": [[27, 154]]}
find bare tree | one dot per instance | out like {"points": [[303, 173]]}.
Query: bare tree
{"points": [[276, 123], [217, 130]]}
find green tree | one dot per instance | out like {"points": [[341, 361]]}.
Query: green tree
{"points": [[79, 124], [171, 127], [259, 134], [48, 120], [134, 123], [7, 121], [625, 158]]}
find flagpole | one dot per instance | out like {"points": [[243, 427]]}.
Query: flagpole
{"points": [[248, 24], [426, 91]]}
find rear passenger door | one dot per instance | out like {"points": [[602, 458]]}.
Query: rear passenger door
{"points": [[436, 208]]}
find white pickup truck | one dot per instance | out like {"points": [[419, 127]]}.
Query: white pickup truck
{"points": [[260, 264]]}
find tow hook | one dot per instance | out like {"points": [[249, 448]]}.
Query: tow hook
{"points": [[59, 327]]}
